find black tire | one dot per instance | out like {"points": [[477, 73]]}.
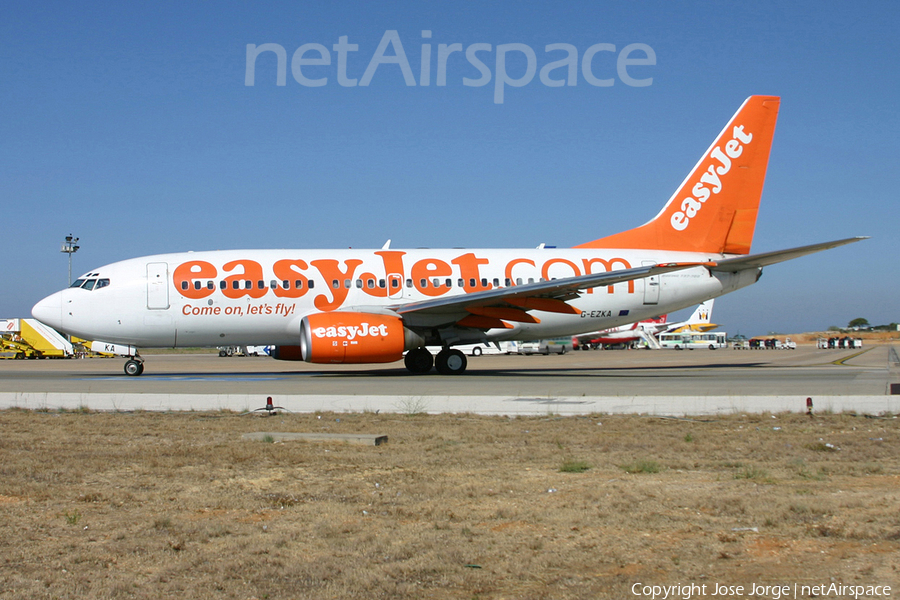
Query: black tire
{"points": [[222, 353], [134, 368], [450, 362], [712, 347], [418, 361]]}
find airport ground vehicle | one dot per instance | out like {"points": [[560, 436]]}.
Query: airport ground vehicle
{"points": [[243, 351], [479, 348], [546, 347], [688, 340], [840, 343], [29, 338]]}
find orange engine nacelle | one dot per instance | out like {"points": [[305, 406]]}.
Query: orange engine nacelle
{"points": [[348, 337]]}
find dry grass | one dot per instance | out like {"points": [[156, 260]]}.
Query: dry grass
{"points": [[868, 337], [455, 506]]}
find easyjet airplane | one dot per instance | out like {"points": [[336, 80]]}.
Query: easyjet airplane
{"points": [[371, 306]]}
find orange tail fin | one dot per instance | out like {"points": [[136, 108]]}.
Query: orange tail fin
{"points": [[715, 208]]}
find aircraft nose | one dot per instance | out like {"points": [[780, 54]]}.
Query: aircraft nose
{"points": [[49, 310]]}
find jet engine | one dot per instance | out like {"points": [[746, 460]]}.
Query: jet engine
{"points": [[349, 337]]}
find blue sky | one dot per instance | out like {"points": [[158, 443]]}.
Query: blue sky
{"points": [[130, 126]]}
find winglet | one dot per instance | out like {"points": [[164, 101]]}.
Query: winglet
{"points": [[714, 210]]}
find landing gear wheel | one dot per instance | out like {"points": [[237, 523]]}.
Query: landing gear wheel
{"points": [[450, 362], [418, 361], [476, 351], [134, 367]]}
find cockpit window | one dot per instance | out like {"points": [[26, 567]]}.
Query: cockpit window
{"points": [[90, 284]]}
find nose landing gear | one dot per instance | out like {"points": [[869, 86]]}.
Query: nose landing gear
{"points": [[134, 366]]}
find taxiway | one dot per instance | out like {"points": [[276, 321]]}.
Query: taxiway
{"points": [[660, 382]]}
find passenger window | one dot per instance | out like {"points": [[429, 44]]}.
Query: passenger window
{"points": [[209, 285], [449, 283], [273, 284], [347, 284], [370, 283], [223, 284], [496, 282], [423, 283], [261, 284], [518, 281], [409, 283], [359, 283], [483, 282], [471, 283], [310, 285], [299, 284], [507, 282], [381, 283], [184, 285], [248, 284], [335, 283], [460, 283], [236, 284], [196, 285]]}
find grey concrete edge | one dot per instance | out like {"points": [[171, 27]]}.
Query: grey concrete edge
{"points": [[483, 405]]}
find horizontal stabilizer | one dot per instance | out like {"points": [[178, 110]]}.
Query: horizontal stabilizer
{"points": [[770, 258]]}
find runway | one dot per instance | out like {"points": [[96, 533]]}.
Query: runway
{"points": [[655, 382]]}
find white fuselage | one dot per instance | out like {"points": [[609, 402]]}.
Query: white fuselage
{"points": [[241, 297]]}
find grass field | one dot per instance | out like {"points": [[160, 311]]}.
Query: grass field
{"points": [[149, 505]]}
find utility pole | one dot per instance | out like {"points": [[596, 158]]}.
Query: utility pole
{"points": [[70, 247]]}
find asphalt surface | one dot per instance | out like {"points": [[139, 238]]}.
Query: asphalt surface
{"points": [[805, 371]]}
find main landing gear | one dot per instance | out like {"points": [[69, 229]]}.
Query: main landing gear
{"points": [[448, 361], [134, 366]]}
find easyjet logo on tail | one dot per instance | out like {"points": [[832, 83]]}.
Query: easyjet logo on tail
{"points": [[711, 180]]}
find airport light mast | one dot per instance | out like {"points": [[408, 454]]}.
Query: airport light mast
{"points": [[70, 247]]}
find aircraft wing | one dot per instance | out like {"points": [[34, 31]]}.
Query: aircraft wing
{"points": [[544, 295], [770, 258]]}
